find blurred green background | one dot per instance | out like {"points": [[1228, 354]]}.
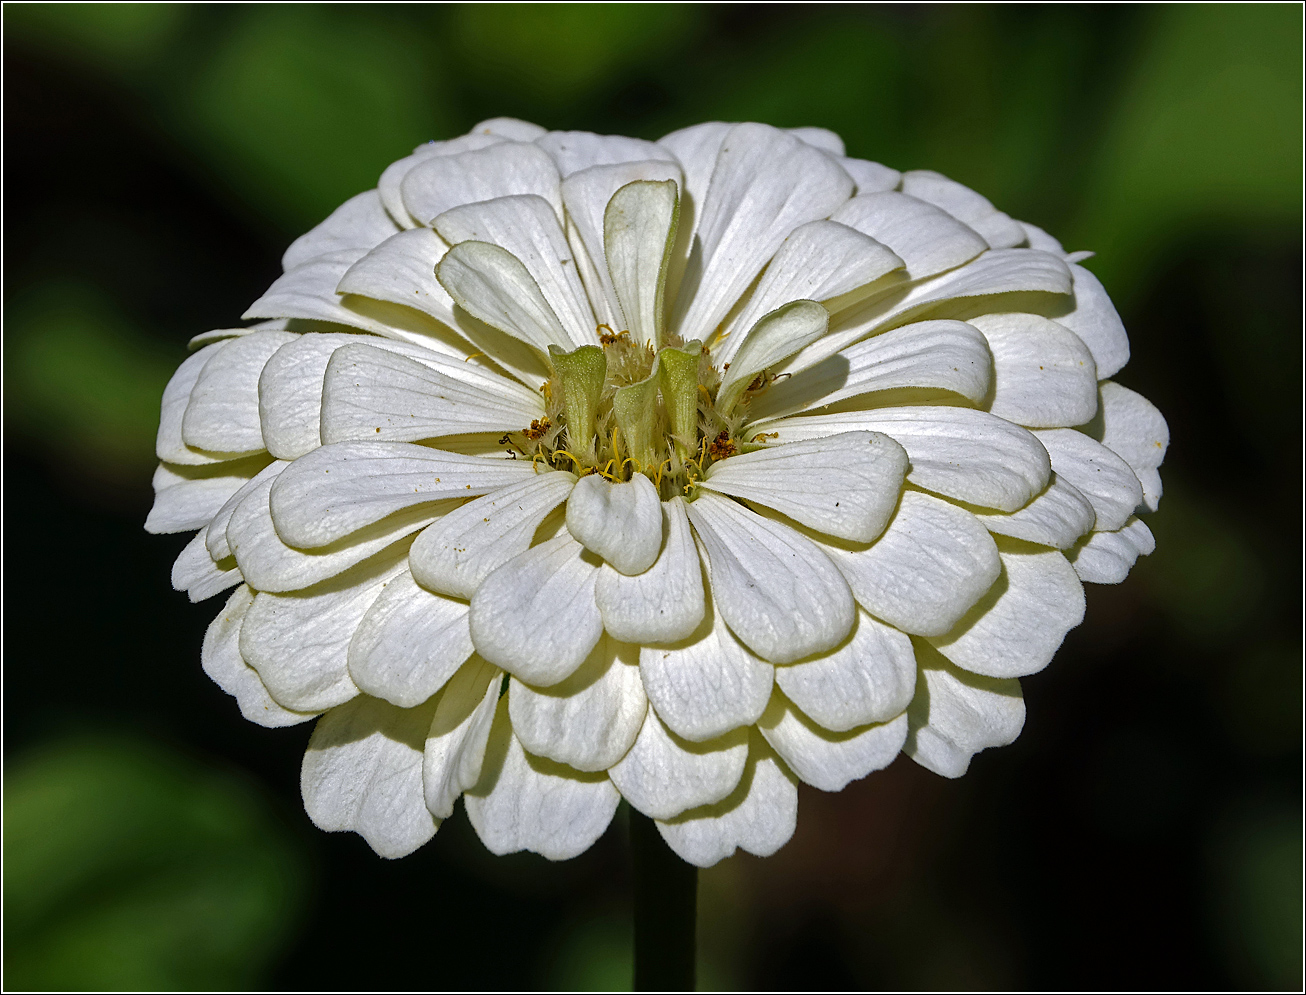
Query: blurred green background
{"points": [[1145, 831]]}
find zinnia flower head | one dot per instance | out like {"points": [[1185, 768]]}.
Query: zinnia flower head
{"points": [[572, 468]]}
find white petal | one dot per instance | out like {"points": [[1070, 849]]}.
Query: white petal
{"points": [[529, 803], [573, 151], [343, 486], [589, 720], [969, 455], [846, 485], [939, 355], [511, 128], [409, 643], [169, 445], [309, 291], [1131, 427], [927, 239], [223, 663], [664, 775], [820, 261], [933, 562], [620, 522], [222, 415], [1095, 321], [1017, 627], [824, 759], [359, 223], [371, 393], [696, 149], [390, 185], [955, 714], [187, 497], [299, 643], [1043, 375], [774, 338], [708, 684], [460, 730], [1107, 557], [528, 228], [869, 678], [663, 604], [195, 572], [363, 773], [505, 169], [493, 286], [965, 205], [759, 816], [270, 565], [1057, 517], [535, 615], [639, 223], [222, 334], [775, 588], [764, 185], [820, 138], [455, 554], [218, 545], [1096, 472], [871, 177], [1041, 240]]}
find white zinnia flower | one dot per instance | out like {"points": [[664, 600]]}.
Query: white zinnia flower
{"points": [[577, 467]]}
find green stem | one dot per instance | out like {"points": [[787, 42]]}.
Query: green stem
{"points": [[666, 897]]}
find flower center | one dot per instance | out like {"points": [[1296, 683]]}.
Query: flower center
{"points": [[623, 408]]}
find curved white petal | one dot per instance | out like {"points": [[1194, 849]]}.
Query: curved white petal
{"points": [[663, 775], [1043, 375], [221, 660], [824, 759], [363, 773], [299, 643], [939, 355], [774, 587], [665, 603], [371, 393], [529, 803], [309, 291], [1107, 557], [820, 138], [290, 393], [589, 720], [696, 149], [1131, 427], [821, 261], [961, 453], [169, 445], [187, 497], [965, 205], [573, 151], [774, 338], [511, 128], [955, 714], [390, 185], [1017, 627], [357, 224], [759, 816], [504, 169], [344, 486], [535, 615], [621, 522], [527, 227], [637, 227], [1039, 239], [456, 553], [222, 414], [1096, 472], [764, 185], [845, 485], [707, 684], [869, 678], [195, 572], [409, 643], [926, 238], [1095, 321], [459, 733], [1057, 517], [933, 562]]}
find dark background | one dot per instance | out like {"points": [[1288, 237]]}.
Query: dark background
{"points": [[1145, 830]]}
